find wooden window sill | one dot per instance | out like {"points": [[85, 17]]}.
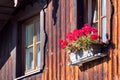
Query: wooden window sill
{"points": [[29, 74]]}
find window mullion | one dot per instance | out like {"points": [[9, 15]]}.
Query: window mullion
{"points": [[35, 48], [29, 46], [38, 42], [102, 17]]}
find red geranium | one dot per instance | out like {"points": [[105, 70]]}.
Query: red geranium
{"points": [[71, 37], [86, 29], [64, 44], [94, 36], [76, 33], [80, 39], [94, 30], [60, 41]]}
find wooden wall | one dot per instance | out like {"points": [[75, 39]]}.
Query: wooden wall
{"points": [[61, 19], [7, 52]]}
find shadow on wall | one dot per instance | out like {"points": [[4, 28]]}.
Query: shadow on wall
{"points": [[55, 5], [94, 63], [7, 45]]}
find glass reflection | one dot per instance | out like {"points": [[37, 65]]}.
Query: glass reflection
{"points": [[103, 7], [29, 34], [38, 55], [104, 38], [38, 30], [29, 58]]}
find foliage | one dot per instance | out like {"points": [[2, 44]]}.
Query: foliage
{"points": [[80, 39]]}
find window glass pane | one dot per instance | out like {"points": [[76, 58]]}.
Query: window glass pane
{"points": [[29, 34], [95, 11], [29, 58], [104, 38], [89, 11], [38, 30], [103, 7], [38, 55], [95, 25]]}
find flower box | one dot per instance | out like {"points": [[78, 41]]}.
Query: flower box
{"points": [[80, 55], [81, 61], [82, 44], [83, 56]]}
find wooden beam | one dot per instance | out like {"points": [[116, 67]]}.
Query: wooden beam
{"points": [[2, 24], [7, 10], [4, 16], [7, 6]]}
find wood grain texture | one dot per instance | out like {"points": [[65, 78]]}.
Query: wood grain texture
{"points": [[56, 68], [118, 59]]}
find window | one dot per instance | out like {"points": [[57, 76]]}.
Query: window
{"points": [[30, 57], [96, 13], [32, 44], [33, 41]]}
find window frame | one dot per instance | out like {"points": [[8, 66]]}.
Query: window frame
{"points": [[42, 44], [33, 21]]}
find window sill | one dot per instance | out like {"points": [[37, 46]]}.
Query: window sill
{"points": [[80, 62], [29, 74]]}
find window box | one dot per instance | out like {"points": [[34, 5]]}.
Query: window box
{"points": [[84, 56], [80, 61]]}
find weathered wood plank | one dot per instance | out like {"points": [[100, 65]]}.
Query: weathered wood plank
{"points": [[91, 71], [46, 52], [56, 67], [59, 31], [109, 65], [54, 30], [115, 40], [50, 45], [67, 16], [118, 59], [63, 28], [105, 77]]}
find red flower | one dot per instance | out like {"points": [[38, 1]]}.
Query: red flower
{"points": [[60, 41], [94, 30], [87, 29], [94, 36], [76, 33], [80, 33], [85, 25], [79, 36], [64, 44], [71, 37], [86, 32]]}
